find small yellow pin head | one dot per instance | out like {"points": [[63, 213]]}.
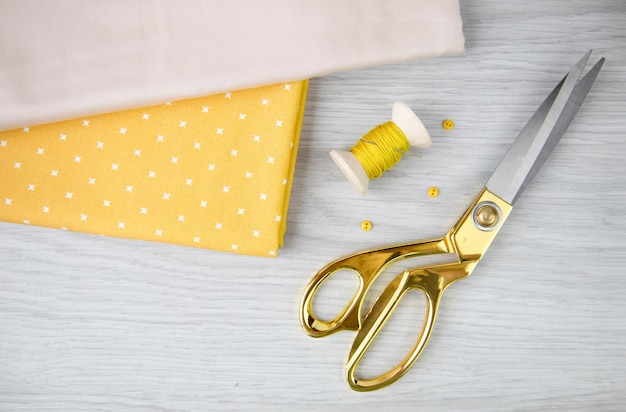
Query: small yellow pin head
{"points": [[366, 225], [447, 124], [433, 191]]}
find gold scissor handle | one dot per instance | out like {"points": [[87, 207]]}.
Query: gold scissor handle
{"points": [[367, 265], [432, 281]]}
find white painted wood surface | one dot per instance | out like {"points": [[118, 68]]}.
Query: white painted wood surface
{"points": [[102, 324]]}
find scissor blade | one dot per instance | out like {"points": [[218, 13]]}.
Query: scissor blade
{"points": [[542, 133]]}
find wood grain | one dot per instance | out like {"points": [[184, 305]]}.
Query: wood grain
{"points": [[102, 324]]}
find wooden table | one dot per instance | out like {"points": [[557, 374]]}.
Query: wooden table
{"points": [[103, 324]]}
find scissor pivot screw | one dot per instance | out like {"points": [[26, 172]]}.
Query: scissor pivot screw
{"points": [[486, 216]]}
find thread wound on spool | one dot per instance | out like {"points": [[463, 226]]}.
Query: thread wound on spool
{"points": [[380, 149]]}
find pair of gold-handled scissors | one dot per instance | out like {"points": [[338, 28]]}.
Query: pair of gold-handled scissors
{"points": [[468, 239]]}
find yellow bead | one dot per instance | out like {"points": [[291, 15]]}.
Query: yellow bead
{"points": [[448, 124], [366, 225], [433, 192]]}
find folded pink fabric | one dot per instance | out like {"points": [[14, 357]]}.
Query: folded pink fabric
{"points": [[62, 59]]}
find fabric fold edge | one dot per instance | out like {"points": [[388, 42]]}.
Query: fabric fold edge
{"points": [[292, 165]]}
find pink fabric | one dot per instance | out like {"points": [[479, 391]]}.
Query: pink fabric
{"points": [[61, 59]]}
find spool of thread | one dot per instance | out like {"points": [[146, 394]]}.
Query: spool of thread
{"points": [[382, 147]]}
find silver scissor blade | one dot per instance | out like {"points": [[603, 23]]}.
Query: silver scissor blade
{"points": [[541, 134], [570, 111]]}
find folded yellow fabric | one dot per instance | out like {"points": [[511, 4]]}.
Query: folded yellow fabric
{"points": [[212, 172]]}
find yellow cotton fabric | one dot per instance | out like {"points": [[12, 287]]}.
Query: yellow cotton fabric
{"points": [[212, 172]]}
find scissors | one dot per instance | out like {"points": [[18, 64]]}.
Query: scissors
{"points": [[468, 239]]}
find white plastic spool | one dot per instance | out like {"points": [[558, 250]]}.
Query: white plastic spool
{"points": [[407, 121]]}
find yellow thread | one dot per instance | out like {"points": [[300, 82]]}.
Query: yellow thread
{"points": [[380, 149]]}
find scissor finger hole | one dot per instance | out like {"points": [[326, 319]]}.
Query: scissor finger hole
{"points": [[396, 339], [334, 295]]}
